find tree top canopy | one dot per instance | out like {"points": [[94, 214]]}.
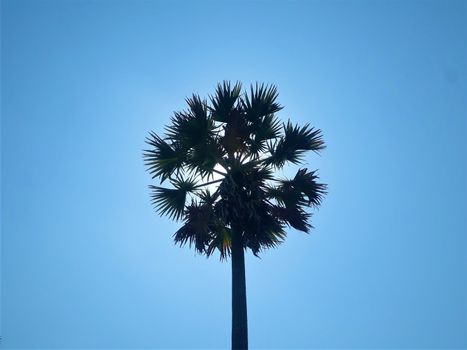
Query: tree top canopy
{"points": [[233, 140]]}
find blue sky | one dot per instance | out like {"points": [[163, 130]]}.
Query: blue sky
{"points": [[86, 263]]}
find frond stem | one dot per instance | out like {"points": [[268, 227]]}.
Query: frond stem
{"points": [[219, 172], [208, 183]]}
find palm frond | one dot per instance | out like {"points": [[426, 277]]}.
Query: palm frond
{"points": [[257, 177], [249, 174], [294, 143], [222, 240], [293, 216], [198, 107], [193, 128], [265, 231], [163, 159], [171, 201], [204, 157], [224, 100], [274, 192], [261, 229], [285, 194], [207, 197], [302, 190], [265, 129], [236, 132], [306, 182], [188, 184], [261, 102], [196, 229]]}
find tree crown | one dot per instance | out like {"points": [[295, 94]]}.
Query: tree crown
{"points": [[233, 140]]}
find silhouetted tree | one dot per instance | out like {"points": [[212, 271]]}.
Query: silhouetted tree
{"points": [[235, 141]]}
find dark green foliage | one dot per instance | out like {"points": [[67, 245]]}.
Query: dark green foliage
{"points": [[262, 130], [224, 100], [305, 182], [163, 159], [237, 137], [261, 102], [203, 158], [190, 130], [294, 143], [171, 202], [196, 230]]}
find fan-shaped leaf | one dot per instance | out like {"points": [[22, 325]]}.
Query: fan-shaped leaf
{"points": [[264, 230], [163, 159], [222, 240], [196, 230], [203, 158], [265, 129], [293, 216], [260, 102], [171, 201], [198, 108], [224, 100], [207, 197], [302, 190], [306, 182], [295, 142], [191, 129], [286, 195]]}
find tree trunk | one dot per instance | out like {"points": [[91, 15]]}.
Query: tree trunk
{"points": [[239, 313]]}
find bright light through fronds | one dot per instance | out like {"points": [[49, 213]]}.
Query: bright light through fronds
{"points": [[222, 155]]}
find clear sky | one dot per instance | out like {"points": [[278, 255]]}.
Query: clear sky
{"points": [[86, 262]]}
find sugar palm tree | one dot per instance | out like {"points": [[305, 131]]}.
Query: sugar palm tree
{"points": [[233, 143]]}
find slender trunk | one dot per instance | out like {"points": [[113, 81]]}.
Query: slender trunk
{"points": [[239, 313]]}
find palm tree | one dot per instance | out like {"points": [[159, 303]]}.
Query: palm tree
{"points": [[233, 142]]}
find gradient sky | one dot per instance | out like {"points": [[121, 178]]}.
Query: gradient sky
{"points": [[86, 262]]}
